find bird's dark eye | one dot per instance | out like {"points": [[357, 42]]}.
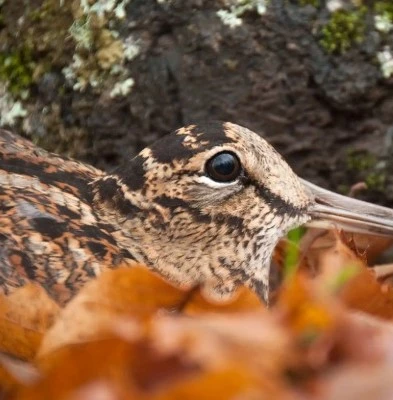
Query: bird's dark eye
{"points": [[224, 167]]}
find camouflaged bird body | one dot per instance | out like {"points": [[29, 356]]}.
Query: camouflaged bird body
{"points": [[49, 232], [62, 222]]}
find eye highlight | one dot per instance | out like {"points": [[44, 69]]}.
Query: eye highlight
{"points": [[223, 167]]}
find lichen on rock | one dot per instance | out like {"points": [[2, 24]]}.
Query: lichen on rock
{"points": [[99, 50], [231, 15], [10, 109], [385, 58]]}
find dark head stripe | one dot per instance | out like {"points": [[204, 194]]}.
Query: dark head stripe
{"points": [[277, 204], [172, 147], [133, 173], [110, 192]]}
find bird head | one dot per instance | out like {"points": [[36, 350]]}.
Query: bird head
{"points": [[207, 204]]}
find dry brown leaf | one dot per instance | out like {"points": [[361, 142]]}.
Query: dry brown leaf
{"points": [[223, 355], [100, 389], [25, 316], [176, 357], [15, 372], [357, 329], [234, 381], [339, 340], [308, 337], [134, 372], [362, 365], [116, 293], [331, 256], [358, 382], [306, 308], [71, 368], [365, 293], [384, 272], [126, 292], [366, 247], [121, 338], [312, 317], [371, 246], [254, 338]]}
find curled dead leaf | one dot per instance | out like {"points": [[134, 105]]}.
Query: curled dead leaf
{"points": [[116, 293], [25, 316], [346, 271], [209, 357], [135, 293]]}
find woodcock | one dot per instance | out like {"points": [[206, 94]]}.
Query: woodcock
{"points": [[205, 206]]}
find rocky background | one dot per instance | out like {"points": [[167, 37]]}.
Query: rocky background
{"points": [[99, 80]]}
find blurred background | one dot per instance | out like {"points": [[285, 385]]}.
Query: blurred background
{"points": [[99, 80]]}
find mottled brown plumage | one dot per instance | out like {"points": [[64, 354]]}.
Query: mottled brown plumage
{"points": [[49, 232], [63, 222]]}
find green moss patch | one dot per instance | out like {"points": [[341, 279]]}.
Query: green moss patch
{"points": [[344, 29], [16, 70]]}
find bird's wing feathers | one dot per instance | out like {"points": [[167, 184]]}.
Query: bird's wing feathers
{"points": [[49, 233], [19, 156]]}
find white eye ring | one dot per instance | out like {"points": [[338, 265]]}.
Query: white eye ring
{"points": [[214, 184]]}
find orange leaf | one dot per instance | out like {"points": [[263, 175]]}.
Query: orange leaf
{"points": [[116, 293], [25, 316], [136, 371], [307, 310], [365, 293], [329, 254], [15, 372], [372, 246], [216, 356], [136, 292]]}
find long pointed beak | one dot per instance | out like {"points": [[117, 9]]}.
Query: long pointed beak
{"points": [[334, 210]]}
